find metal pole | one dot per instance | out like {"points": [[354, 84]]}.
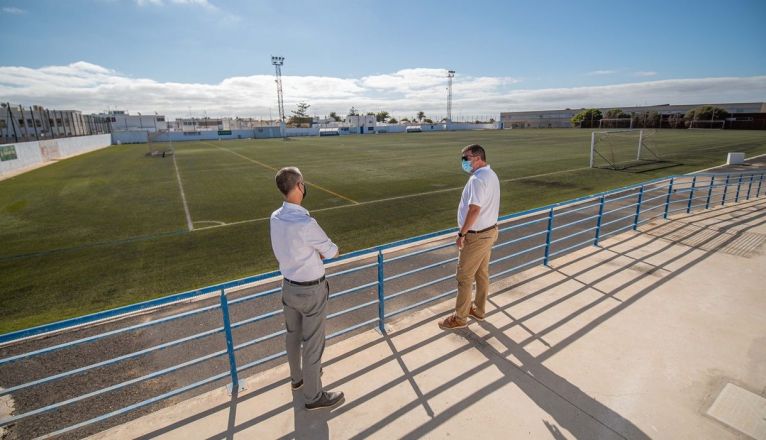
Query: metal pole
{"points": [[13, 125], [381, 295], [691, 195], [739, 184], [592, 146], [709, 192], [750, 186], [548, 237], [640, 141], [598, 222], [667, 200], [760, 181], [234, 386], [638, 207], [725, 189], [34, 122]]}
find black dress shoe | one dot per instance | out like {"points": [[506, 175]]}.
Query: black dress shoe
{"points": [[328, 400]]}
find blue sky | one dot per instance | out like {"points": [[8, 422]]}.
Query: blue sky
{"points": [[180, 56]]}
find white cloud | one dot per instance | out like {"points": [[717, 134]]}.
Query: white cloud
{"points": [[202, 3], [646, 73], [11, 10], [602, 72], [93, 88]]}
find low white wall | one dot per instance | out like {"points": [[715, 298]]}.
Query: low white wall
{"points": [[28, 155], [314, 131], [130, 137], [31, 155]]}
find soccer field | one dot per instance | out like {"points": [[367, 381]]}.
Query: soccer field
{"points": [[111, 227]]}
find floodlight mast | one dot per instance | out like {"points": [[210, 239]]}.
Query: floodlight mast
{"points": [[278, 62], [450, 75]]}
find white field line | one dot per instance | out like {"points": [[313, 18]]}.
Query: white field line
{"points": [[274, 169], [189, 223], [388, 199], [723, 165]]}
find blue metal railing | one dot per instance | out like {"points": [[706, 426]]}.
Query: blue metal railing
{"points": [[595, 217]]}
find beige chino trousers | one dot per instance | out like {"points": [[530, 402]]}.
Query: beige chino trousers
{"points": [[473, 264]]}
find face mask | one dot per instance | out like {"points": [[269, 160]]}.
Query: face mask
{"points": [[467, 166]]}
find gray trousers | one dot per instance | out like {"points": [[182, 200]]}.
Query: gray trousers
{"points": [[305, 310]]}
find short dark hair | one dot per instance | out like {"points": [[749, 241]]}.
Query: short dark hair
{"points": [[288, 178], [476, 150]]}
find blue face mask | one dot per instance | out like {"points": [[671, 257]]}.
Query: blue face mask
{"points": [[467, 166]]}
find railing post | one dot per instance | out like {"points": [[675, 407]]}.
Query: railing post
{"points": [[739, 184], [709, 192], [381, 295], [750, 186], [667, 199], [598, 222], [234, 386], [760, 181], [725, 190], [638, 207], [691, 195], [548, 237]]}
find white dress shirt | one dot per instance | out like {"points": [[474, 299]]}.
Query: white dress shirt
{"points": [[482, 190], [298, 241]]}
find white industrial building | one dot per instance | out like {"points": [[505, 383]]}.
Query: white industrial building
{"points": [[121, 120], [562, 118]]}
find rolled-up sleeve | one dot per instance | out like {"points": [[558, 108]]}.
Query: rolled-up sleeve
{"points": [[316, 238], [477, 193]]}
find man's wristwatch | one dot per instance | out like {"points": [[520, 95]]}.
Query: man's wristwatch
{"points": [[460, 234]]}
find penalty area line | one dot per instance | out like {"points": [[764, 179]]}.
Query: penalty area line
{"points": [[388, 199], [189, 223], [274, 169]]}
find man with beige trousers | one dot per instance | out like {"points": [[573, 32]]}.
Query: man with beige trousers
{"points": [[477, 222]]}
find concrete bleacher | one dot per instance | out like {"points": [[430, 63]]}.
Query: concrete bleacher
{"points": [[659, 333]]}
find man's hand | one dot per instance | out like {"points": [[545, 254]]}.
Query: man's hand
{"points": [[459, 242]]}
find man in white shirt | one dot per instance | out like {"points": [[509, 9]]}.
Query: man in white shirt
{"points": [[299, 245], [477, 223]]}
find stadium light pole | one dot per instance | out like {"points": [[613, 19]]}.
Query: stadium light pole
{"points": [[450, 75], [278, 62]]}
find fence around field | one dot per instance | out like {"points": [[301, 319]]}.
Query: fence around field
{"points": [[370, 286]]}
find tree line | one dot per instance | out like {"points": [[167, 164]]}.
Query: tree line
{"points": [[589, 118]]}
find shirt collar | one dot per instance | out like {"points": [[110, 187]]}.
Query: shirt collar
{"points": [[485, 167], [293, 207]]}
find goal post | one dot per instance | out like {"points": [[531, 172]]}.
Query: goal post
{"points": [[714, 124], [615, 123], [622, 149]]}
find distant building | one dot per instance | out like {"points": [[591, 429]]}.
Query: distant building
{"points": [[562, 118], [361, 124], [21, 124]]}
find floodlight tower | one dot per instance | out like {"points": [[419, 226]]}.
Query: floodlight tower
{"points": [[278, 62], [450, 75]]}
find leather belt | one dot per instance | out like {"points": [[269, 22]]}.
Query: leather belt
{"points": [[306, 283], [483, 230]]}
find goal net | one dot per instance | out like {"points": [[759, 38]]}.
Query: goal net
{"points": [[710, 124], [615, 123], [622, 149]]}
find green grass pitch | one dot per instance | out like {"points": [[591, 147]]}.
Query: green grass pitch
{"points": [[109, 228]]}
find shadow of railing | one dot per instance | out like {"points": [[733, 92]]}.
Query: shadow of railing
{"points": [[554, 394]]}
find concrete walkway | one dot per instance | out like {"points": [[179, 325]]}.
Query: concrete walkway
{"points": [[657, 334]]}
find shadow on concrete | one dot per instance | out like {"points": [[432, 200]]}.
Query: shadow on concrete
{"points": [[559, 398]]}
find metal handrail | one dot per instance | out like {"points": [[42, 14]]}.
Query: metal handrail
{"points": [[747, 185]]}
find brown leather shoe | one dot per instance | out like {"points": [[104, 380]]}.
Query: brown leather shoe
{"points": [[452, 323], [474, 313]]}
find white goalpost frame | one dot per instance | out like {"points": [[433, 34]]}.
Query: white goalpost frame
{"points": [[639, 147], [630, 122], [708, 121]]}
